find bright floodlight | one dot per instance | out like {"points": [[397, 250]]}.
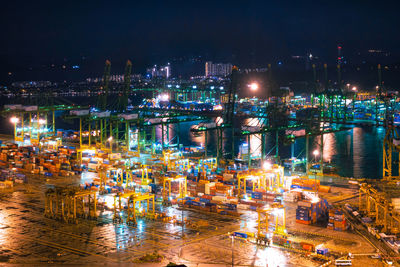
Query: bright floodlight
{"points": [[164, 97], [316, 152], [42, 121], [267, 165], [253, 86], [14, 120], [354, 88], [110, 139]]}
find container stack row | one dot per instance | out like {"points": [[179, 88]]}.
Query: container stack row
{"points": [[310, 212]]}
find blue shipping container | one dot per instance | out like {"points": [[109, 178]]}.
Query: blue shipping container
{"points": [[238, 234]]}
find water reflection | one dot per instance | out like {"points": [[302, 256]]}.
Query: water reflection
{"points": [[356, 152], [271, 257], [329, 146], [4, 229]]}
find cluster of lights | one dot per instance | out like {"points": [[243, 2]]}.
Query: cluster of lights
{"points": [[15, 120], [163, 97], [267, 166]]}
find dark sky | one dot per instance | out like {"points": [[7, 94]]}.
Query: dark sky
{"points": [[39, 32]]}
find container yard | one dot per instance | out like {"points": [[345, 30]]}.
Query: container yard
{"points": [[120, 187]]}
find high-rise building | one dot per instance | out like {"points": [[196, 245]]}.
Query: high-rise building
{"points": [[218, 69], [162, 71]]}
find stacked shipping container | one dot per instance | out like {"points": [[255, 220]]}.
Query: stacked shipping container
{"points": [[309, 212]]}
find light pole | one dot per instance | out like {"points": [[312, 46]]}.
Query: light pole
{"points": [[110, 141], [232, 250], [40, 122], [354, 89], [14, 120], [316, 153]]}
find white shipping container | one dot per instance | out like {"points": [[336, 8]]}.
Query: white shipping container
{"points": [[81, 112], [103, 114], [207, 187], [251, 128], [13, 107], [129, 116], [219, 198], [156, 120], [208, 125], [30, 108], [243, 206]]}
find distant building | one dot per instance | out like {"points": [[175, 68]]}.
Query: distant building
{"points": [[160, 72], [218, 69], [117, 78], [258, 70], [32, 84]]}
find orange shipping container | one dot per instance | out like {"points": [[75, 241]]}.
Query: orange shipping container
{"points": [[303, 222], [324, 189]]}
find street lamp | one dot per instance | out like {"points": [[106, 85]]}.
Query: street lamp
{"points": [[354, 89], [267, 166], [315, 153], [14, 120], [110, 140], [253, 86]]}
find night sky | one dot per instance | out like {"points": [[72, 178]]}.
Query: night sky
{"points": [[37, 33]]}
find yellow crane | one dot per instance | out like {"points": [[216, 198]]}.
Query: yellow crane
{"points": [[276, 210]]}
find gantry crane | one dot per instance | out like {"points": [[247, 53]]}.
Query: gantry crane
{"points": [[391, 146], [278, 211], [102, 103], [226, 122], [123, 97], [132, 198], [67, 204], [375, 205]]}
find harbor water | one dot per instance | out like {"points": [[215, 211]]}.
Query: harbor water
{"points": [[356, 152]]}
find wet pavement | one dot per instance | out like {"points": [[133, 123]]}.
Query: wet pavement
{"points": [[27, 237]]}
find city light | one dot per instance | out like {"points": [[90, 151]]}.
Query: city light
{"points": [[267, 165], [42, 121], [315, 152], [14, 120], [354, 88], [110, 139], [163, 97], [253, 86]]}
